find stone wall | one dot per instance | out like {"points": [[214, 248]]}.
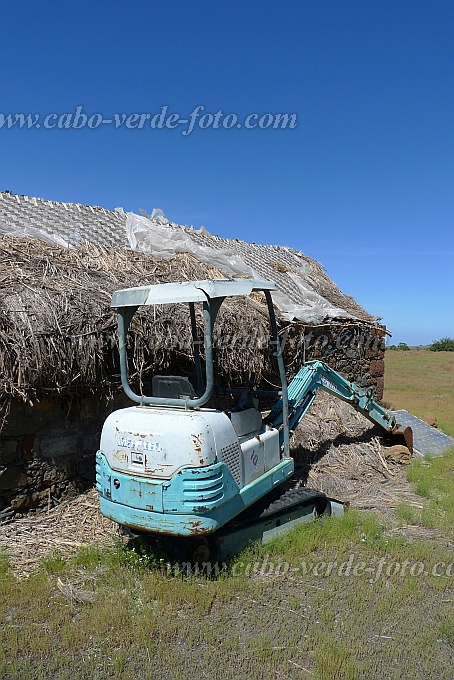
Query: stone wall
{"points": [[47, 452], [355, 351]]}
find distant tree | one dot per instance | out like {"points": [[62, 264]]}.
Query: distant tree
{"points": [[401, 346], [443, 345]]}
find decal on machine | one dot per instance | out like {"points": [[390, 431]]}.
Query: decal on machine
{"points": [[120, 456], [328, 383], [137, 444], [254, 458], [137, 458]]}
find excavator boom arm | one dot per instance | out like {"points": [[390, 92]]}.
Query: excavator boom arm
{"points": [[317, 375]]}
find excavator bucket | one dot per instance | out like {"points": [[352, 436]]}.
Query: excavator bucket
{"points": [[403, 434]]}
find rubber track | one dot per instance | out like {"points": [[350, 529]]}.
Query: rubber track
{"points": [[294, 497]]}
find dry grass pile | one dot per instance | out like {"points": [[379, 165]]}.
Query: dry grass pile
{"points": [[338, 451], [66, 528]]}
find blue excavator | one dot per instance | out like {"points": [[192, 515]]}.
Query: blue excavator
{"points": [[207, 479]]}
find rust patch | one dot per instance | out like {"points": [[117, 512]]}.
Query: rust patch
{"points": [[197, 440], [195, 528]]}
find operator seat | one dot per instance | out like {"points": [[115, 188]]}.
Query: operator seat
{"points": [[172, 387]]}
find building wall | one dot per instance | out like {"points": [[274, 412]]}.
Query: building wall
{"points": [[355, 351], [47, 451]]}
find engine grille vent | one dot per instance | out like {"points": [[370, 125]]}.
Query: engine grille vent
{"points": [[231, 456]]}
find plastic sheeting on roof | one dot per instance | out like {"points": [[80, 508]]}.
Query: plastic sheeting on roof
{"points": [[165, 241]]}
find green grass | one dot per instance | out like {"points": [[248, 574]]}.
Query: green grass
{"points": [[433, 479], [332, 599], [406, 513], [422, 382], [336, 599], [335, 661]]}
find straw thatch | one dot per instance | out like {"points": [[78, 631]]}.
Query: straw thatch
{"points": [[58, 332], [338, 451]]}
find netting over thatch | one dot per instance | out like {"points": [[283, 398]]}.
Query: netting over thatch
{"points": [[306, 292]]}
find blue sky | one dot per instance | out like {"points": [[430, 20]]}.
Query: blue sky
{"points": [[364, 183]]}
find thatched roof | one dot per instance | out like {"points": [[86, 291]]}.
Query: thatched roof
{"points": [[306, 290], [57, 331]]}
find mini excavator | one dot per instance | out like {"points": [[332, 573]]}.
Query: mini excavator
{"points": [[207, 479]]}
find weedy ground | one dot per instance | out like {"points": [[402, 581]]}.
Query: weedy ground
{"points": [[339, 599]]}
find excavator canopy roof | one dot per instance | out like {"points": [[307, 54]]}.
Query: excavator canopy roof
{"points": [[187, 291]]}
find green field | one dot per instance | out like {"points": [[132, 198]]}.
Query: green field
{"points": [[422, 382], [339, 599]]}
